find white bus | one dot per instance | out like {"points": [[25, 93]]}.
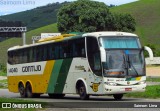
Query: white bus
{"points": [[98, 63]]}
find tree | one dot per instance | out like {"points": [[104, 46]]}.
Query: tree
{"points": [[89, 16], [122, 22]]}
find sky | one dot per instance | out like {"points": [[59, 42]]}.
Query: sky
{"points": [[13, 6]]}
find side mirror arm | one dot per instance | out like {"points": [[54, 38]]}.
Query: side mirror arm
{"points": [[149, 50]]}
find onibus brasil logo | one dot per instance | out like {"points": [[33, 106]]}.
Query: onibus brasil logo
{"points": [[21, 105]]}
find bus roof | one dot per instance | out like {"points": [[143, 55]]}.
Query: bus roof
{"points": [[109, 33], [95, 34], [42, 43]]}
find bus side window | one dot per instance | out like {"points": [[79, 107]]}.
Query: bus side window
{"points": [[44, 52], [56, 51], [15, 57], [81, 47], [94, 55], [77, 47], [10, 57], [74, 51], [25, 56], [31, 54], [34, 54], [65, 49], [51, 51]]}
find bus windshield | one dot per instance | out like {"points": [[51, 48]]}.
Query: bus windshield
{"points": [[124, 62], [119, 42], [124, 56]]}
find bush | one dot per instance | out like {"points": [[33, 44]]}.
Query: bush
{"points": [[3, 68]]}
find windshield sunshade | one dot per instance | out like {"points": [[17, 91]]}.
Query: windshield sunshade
{"points": [[119, 42]]}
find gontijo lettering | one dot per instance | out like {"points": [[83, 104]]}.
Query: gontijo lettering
{"points": [[31, 68]]}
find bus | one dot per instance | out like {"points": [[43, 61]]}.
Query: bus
{"points": [[97, 64]]}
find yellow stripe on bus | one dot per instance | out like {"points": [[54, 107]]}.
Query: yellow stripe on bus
{"points": [[39, 82]]}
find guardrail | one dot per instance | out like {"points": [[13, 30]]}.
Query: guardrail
{"points": [[156, 61]]}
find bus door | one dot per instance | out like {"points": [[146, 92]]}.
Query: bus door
{"points": [[94, 60]]}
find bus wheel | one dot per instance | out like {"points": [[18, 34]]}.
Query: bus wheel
{"points": [[57, 96], [29, 90], [22, 90], [82, 91], [118, 96]]}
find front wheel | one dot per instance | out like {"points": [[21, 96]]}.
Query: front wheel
{"points": [[118, 96], [82, 92]]}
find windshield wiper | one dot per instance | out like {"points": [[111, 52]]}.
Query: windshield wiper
{"points": [[130, 64], [125, 65]]}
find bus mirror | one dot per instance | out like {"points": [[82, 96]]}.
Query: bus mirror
{"points": [[149, 50], [103, 54]]}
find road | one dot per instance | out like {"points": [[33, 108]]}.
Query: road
{"points": [[95, 103], [73, 98]]}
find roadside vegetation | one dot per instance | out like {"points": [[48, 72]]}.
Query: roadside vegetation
{"points": [[3, 84], [2, 73], [3, 70], [151, 92], [150, 79]]}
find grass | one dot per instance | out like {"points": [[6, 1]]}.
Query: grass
{"points": [[3, 81], [3, 84], [153, 79], [151, 92], [2, 73]]}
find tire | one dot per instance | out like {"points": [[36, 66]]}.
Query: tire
{"points": [[82, 92], [29, 91], [22, 90], [118, 96], [57, 96]]}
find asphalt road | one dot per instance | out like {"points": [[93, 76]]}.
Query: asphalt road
{"points": [[73, 98], [95, 103]]}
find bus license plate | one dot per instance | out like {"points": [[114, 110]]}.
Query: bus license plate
{"points": [[128, 89]]}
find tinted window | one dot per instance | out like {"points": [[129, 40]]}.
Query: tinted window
{"points": [[94, 55], [52, 51]]}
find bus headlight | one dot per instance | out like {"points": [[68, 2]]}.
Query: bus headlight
{"points": [[142, 82], [111, 83]]}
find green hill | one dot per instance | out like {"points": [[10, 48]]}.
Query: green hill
{"points": [[36, 17], [18, 41], [147, 15]]}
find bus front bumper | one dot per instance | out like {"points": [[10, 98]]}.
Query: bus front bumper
{"points": [[124, 89]]}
